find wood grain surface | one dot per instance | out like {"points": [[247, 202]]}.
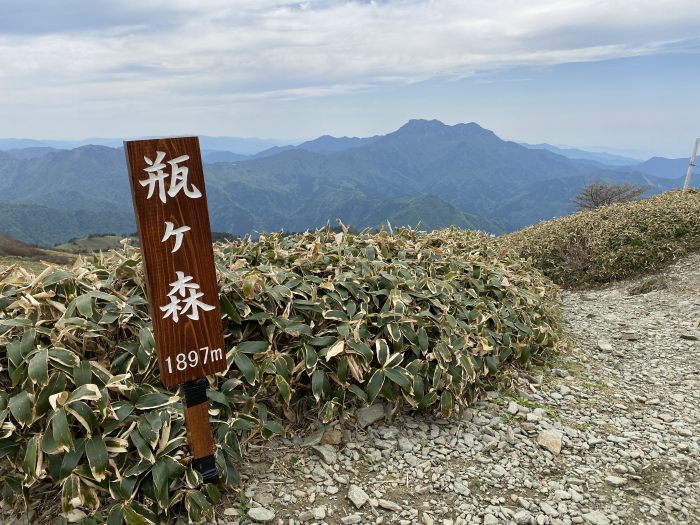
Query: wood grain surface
{"points": [[199, 434], [192, 347]]}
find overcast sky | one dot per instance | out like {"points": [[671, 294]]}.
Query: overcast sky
{"points": [[616, 75]]}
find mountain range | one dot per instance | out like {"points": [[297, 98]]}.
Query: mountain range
{"points": [[600, 157], [245, 146], [425, 173]]}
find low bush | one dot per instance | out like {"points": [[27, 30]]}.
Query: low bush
{"points": [[612, 242], [317, 320]]}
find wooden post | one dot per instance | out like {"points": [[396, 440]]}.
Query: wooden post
{"points": [[167, 186], [691, 165], [199, 433]]}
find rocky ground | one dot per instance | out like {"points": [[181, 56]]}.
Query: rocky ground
{"points": [[609, 435]]}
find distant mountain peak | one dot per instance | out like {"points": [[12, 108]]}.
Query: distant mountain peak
{"points": [[436, 132], [437, 126], [423, 124], [92, 148]]}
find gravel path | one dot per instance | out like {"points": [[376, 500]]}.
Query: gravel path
{"points": [[611, 435]]}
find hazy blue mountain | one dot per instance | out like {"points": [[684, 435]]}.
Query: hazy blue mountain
{"points": [[91, 178], [242, 146], [424, 173], [323, 144], [551, 198], [662, 167], [14, 144], [48, 226], [608, 159], [464, 165], [9, 144], [30, 153], [212, 157], [328, 144], [8, 165], [269, 152], [428, 212]]}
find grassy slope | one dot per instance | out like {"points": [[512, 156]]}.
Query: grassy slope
{"points": [[613, 242], [29, 256], [94, 243]]}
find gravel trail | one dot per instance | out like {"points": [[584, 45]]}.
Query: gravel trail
{"points": [[609, 435]]}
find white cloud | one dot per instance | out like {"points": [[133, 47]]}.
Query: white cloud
{"points": [[195, 52]]}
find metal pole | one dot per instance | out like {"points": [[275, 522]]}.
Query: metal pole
{"points": [[691, 165]]}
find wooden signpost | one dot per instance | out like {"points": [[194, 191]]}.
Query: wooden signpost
{"points": [[167, 185]]}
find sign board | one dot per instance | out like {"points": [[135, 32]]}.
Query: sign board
{"points": [[167, 185]]}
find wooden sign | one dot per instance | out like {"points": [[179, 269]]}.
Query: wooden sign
{"points": [[167, 185]]}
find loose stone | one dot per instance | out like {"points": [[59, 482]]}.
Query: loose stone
{"points": [[358, 496], [551, 440], [261, 514]]}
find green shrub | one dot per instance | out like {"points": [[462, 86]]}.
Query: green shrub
{"points": [[317, 320], [613, 242]]}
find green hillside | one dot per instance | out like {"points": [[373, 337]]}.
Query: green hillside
{"points": [[49, 226], [424, 173], [613, 242]]}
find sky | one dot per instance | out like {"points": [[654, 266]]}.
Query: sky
{"points": [[621, 76]]}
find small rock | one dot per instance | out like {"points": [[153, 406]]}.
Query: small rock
{"points": [[368, 415], [551, 440], [332, 437], [490, 519], [405, 444], [596, 518], [388, 432], [319, 513], [327, 453], [461, 488], [481, 421], [264, 498], [230, 512], [358, 496], [312, 439], [562, 494], [351, 519], [343, 480], [389, 505], [689, 337], [383, 444], [427, 519], [522, 517], [678, 397], [261, 514], [605, 346], [615, 481], [498, 471], [549, 510], [513, 408], [532, 417], [319, 474]]}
